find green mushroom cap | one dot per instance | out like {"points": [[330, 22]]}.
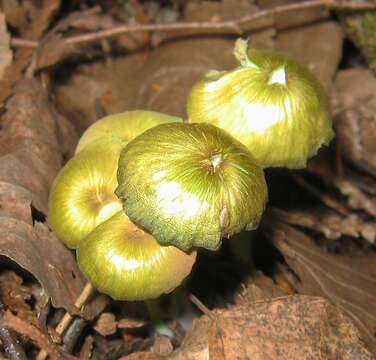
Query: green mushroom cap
{"points": [[127, 263], [271, 103], [190, 184], [82, 195], [126, 125]]}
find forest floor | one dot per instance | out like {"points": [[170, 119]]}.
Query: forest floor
{"points": [[302, 286]]}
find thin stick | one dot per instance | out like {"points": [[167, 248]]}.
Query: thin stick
{"points": [[202, 307], [235, 26], [67, 318], [79, 303]]}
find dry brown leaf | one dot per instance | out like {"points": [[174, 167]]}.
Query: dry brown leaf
{"points": [[130, 323], [5, 51], [159, 80], [106, 324], [30, 156], [39, 15], [55, 49], [87, 348], [162, 345], [14, 295], [296, 327], [143, 356], [34, 334], [257, 287], [217, 11], [356, 199], [15, 13], [348, 281], [356, 122], [294, 18], [330, 224]]}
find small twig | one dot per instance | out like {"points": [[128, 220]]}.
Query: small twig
{"points": [[202, 307], [209, 314], [79, 303], [23, 43], [235, 26], [67, 318]]}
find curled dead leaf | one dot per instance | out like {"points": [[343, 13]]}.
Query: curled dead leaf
{"points": [[5, 51], [356, 121], [348, 281], [296, 327], [30, 158]]}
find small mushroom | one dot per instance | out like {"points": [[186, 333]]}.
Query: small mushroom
{"points": [[271, 103], [126, 125], [82, 195], [189, 185], [125, 262]]}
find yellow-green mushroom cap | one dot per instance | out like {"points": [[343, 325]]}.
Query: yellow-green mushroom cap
{"points": [[127, 263], [271, 103], [190, 184], [126, 125], [82, 195]]}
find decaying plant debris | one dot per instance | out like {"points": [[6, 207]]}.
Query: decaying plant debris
{"points": [[307, 288]]}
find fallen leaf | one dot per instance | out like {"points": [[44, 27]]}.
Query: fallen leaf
{"points": [[348, 281], [356, 122], [129, 323], [53, 51], [162, 345], [329, 223], [223, 10], [159, 81], [30, 158], [35, 335], [5, 51], [141, 355], [15, 13], [296, 327], [106, 324], [39, 15], [356, 199], [15, 295], [257, 287], [55, 48], [294, 18], [87, 348]]}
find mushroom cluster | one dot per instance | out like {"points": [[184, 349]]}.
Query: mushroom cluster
{"points": [[145, 190]]}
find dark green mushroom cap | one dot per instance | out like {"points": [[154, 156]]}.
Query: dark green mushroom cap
{"points": [[190, 185]]}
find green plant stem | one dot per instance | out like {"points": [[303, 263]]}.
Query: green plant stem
{"points": [[155, 311]]}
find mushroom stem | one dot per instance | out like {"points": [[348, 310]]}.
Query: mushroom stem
{"points": [[154, 310], [241, 246], [63, 324]]}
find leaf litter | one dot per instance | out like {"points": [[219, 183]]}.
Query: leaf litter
{"points": [[256, 319]]}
